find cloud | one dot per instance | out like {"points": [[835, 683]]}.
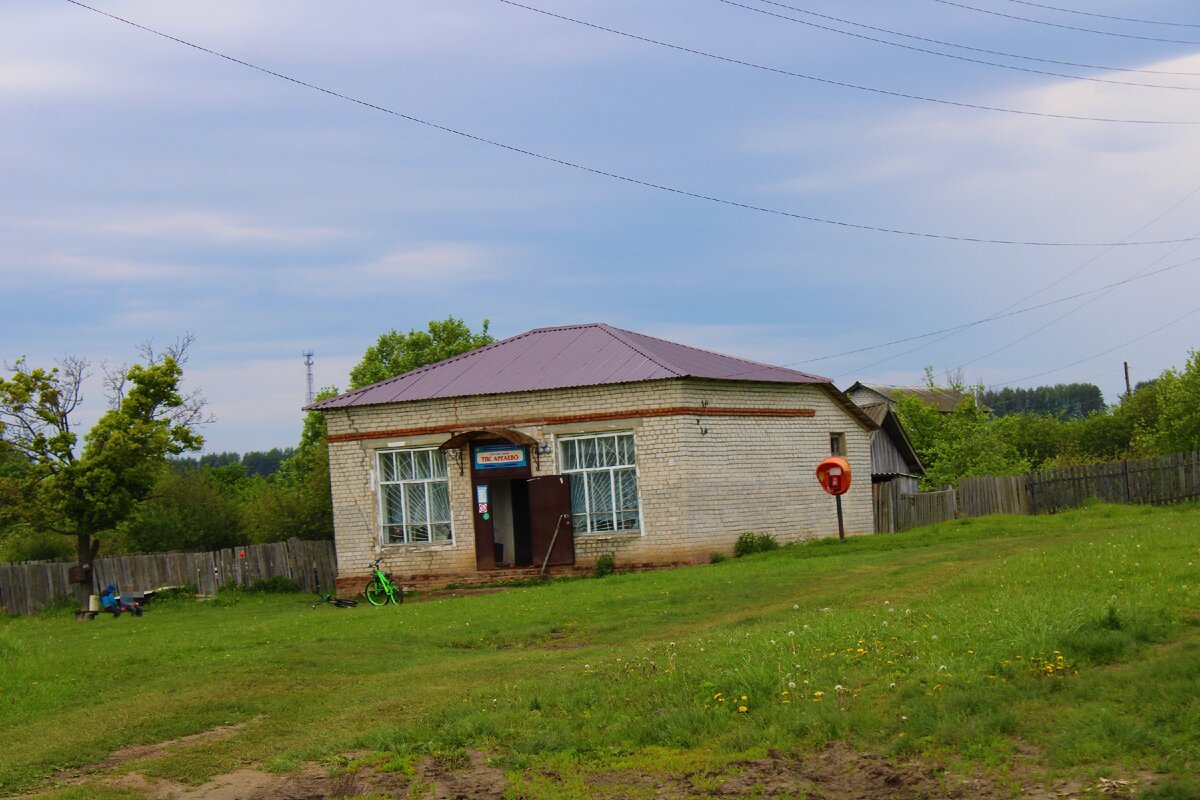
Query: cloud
{"points": [[93, 269], [36, 79], [257, 402], [189, 226], [1008, 176], [424, 266]]}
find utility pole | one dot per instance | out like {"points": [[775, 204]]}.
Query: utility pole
{"points": [[1128, 391], [307, 362]]}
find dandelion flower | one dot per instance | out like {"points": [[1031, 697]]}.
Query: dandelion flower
{"points": [[742, 709]]}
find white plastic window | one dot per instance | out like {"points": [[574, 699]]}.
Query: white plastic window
{"points": [[604, 490], [414, 496]]}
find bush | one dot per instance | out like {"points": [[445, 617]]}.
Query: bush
{"points": [[749, 543], [716, 558], [274, 584], [605, 565], [172, 593]]}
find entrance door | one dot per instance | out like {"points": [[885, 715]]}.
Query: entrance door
{"points": [[550, 509], [485, 549]]}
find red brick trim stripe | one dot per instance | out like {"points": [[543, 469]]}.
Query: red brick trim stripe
{"points": [[643, 413]]}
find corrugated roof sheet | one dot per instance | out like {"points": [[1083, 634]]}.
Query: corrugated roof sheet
{"points": [[562, 357], [945, 399]]}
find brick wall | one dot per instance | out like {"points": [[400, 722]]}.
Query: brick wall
{"points": [[701, 483]]}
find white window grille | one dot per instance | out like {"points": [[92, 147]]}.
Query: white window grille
{"points": [[414, 496], [604, 489]]}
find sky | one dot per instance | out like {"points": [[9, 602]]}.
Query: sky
{"points": [[782, 181]]}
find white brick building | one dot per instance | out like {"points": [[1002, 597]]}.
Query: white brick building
{"points": [[592, 438]]}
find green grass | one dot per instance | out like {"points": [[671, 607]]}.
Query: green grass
{"points": [[1069, 644]]}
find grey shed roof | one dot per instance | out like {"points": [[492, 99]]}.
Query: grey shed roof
{"points": [[562, 357], [945, 399]]}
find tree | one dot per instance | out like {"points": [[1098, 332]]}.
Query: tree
{"points": [[189, 509], [1067, 400], [86, 493], [1037, 438], [396, 353], [963, 443], [1178, 427]]}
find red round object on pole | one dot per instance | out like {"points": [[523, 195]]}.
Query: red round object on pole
{"points": [[834, 475]]}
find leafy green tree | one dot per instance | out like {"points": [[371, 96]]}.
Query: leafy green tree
{"points": [[1178, 428], [294, 502], [396, 353], [86, 493], [1128, 430], [1040, 439], [189, 509], [265, 462], [966, 442]]}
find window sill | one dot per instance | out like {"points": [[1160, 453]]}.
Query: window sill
{"points": [[429, 546], [608, 536]]}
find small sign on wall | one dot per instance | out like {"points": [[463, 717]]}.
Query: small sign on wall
{"points": [[500, 456]]}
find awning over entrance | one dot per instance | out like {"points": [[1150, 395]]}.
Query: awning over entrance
{"points": [[507, 434]]}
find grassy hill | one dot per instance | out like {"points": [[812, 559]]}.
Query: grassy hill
{"points": [[998, 654]]}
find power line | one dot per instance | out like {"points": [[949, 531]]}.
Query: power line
{"points": [[1064, 27], [1159, 329], [966, 325], [1140, 273], [969, 47], [999, 315], [1107, 16], [1041, 328], [842, 84], [1083, 305], [967, 59], [605, 173]]}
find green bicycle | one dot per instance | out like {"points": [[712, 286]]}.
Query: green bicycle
{"points": [[383, 588]]}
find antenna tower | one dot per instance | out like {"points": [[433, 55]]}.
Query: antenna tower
{"points": [[308, 362]]}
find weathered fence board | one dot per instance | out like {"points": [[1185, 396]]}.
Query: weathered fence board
{"points": [[1167, 479], [897, 510], [993, 494], [31, 587]]}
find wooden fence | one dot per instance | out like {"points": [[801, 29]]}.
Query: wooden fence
{"points": [[993, 494], [29, 588], [897, 510], [1167, 479]]}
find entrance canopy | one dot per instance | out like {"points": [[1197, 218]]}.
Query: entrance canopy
{"points": [[507, 434]]}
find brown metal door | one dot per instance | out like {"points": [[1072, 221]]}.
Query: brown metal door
{"points": [[485, 550], [550, 508]]}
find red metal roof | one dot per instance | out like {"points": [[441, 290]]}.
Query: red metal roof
{"points": [[562, 357]]}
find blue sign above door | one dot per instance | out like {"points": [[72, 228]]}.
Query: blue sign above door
{"points": [[499, 456]]}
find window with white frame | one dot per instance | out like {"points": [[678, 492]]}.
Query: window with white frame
{"points": [[604, 491], [414, 496]]}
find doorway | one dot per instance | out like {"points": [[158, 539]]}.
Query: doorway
{"points": [[523, 522], [511, 533]]}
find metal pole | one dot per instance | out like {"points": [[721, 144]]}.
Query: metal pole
{"points": [[841, 525]]}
